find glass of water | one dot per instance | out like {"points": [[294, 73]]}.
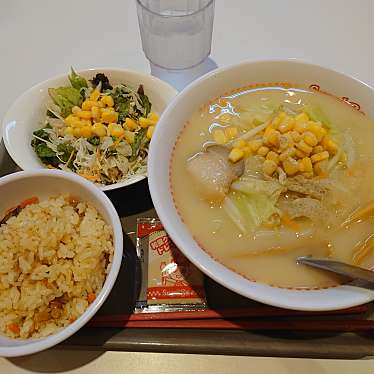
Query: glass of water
{"points": [[176, 34]]}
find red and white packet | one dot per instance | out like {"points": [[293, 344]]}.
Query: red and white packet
{"points": [[170, 282]]}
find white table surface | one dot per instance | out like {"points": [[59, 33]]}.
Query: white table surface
{"points": [[42, 38]]}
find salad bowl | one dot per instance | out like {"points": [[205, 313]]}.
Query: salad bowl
{"points": [[28, 112]]}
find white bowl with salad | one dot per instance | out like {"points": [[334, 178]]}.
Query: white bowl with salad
{"points": [[97, 123]]}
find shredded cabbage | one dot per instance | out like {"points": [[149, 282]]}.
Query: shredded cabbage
{"points": [[252, 202]]}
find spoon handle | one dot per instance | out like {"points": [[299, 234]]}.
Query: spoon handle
{"points": [[350, 271]]}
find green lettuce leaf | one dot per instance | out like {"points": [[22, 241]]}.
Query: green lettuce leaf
{"points": [[122, 102], [144, 100], [46, 154], [66, 98], [140, 138], [77, 81], [123, 107]]}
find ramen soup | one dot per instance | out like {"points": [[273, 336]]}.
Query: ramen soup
{"points": [[265, 175]]}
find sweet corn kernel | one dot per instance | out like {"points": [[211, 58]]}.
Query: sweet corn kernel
{"points": [[295, 136], [131, 124], [129, 136], [290, 166], [68, 130], [263, 151], [310, 138], [236, 154], [95, 94], [70, 119], [247, 151], [305, 165], [95, 111], [255, 144], [85, 114], [290, 152], [273, 138], [282, 116], [324, 141], [99, 104], [329, 145], [107, 100], [287, 126], [272, 156], [301, 127], [110, 127], [99, 129], [318, 149], [77, 132], [285, 141], [302, 117], [318, 131], [86, 122], [78, 123], [268, 131], [150, 131], [300, 154], [320, 168], [269, 167], [86, 131], [304, 147], [109, 117], [231, 132], [116, 130], [275, 122], [153, 116], [320, 156], [88, 104], [145, 122], [75, 109], [239, 144], [219, 136]]}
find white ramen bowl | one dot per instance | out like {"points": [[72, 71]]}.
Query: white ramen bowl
{"points": [[28, 113], [17, 187], [206, 88]]}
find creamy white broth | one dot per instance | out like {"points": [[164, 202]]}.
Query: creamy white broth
{"points": [[268, 255]]}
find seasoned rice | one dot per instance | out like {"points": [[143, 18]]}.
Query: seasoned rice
{"points": [[54, 257]]}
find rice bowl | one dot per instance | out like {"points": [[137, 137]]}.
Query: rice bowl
{"points": [[54, 258], [90, 270]]}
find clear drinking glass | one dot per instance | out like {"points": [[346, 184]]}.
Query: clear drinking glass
{"points": [[176, 34]]}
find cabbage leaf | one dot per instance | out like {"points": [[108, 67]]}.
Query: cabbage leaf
{"points": [[252, 202], [315, 113]]}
